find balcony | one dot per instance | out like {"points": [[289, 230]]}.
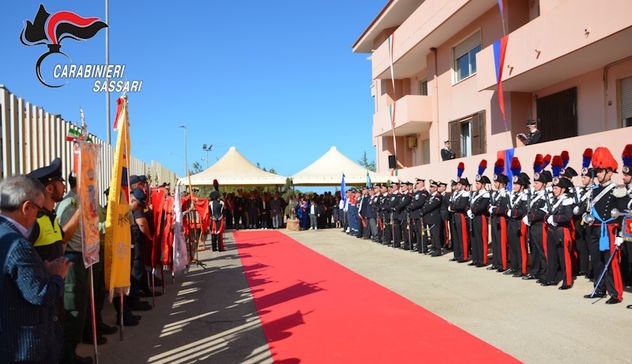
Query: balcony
{"points": [[413, 115], [567, 41], [430, 25]]}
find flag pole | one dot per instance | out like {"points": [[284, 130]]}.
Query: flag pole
{"points": [[107, 63]]}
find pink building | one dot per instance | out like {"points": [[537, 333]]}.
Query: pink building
{"points": [[568, 65]]}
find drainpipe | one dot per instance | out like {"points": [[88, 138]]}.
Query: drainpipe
{"points": [[436, 95], [606, 68]]}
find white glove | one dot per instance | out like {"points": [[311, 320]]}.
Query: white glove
{"points": [[470, 214], [550, 221], [508, 213], [525, 220], [618, 241], [576, 210], [491, 209], [450, 209]]}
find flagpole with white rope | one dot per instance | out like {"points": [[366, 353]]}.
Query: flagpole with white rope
{"points": [[392, 107]]}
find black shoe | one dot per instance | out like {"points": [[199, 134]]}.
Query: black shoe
{"points": [[582, 273], [500, 270], [464, 261], [493, 267], [140, 306], [509, 272], [597, 295], [548, 283], [76, 359], [563, 287], [480, 265], [612, 301], [518, 275], [472, 263], [128, 320], [146, 294], [104, 329], [453, 260], [528, 277], [87, 339], [630, 307]]}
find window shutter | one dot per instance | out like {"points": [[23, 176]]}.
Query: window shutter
{"points": [[482, 131], [476, 135], [479, 144], [626, 100], [454, 130]]}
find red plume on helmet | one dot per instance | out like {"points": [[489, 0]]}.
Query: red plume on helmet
{"points": [[547, 160], [603, 159], [556, 165], [626, 156], [482, 166], [538, 163], [460, 169], [586, 157], [515, 166], [216, 185], [499, 166], [565, 158]]}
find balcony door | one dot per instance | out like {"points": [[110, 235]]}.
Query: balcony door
{"points": [[557, 115]]}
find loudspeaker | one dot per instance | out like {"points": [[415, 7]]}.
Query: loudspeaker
{"points": [[392, 162]]}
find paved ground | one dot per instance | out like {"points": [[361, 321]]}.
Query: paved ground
{"points": [[533, 323], [209, 315]]}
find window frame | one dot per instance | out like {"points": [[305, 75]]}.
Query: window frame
{"points": [[476, 38]]}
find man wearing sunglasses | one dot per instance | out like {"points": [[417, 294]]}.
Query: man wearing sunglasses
{"points": [[47, 236]]}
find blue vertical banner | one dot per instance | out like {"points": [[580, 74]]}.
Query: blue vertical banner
{"points": [[368, 180], [342, 189], [509, 154]]}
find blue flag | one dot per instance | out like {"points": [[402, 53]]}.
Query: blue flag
{"points": [[342, 189], [368, 180]]}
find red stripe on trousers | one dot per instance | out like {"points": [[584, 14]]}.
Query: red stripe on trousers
{"points": [[567, 257], [464, 233], [503, 241], [447, 234], [523, 246], [546, 254], [573, 245], [484, 239], [616, 270]]}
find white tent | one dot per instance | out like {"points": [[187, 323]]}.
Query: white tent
{"points": [[328, 169], [233, 169]]}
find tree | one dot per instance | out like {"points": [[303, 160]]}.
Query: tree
{"points": [[197, 168], [364, 162]]}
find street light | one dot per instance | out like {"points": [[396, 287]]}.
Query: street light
{"points": [[207, 149], [186, 165]]}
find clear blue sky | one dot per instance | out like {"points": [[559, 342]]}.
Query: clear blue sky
{"points": [[276, 79]]}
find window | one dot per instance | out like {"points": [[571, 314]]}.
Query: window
{"points": [[466, 139], [626, 101], [467, 135], [425, 150], [423, 87], [465, 57], [557, 115]]}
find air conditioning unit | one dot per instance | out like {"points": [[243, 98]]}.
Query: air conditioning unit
{"points": [[411, 141]]}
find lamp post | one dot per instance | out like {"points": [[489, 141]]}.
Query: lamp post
{"points": [[207, 149], [186, 165]]}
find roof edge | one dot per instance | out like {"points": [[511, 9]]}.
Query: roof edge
{"points": [[377, 18]]}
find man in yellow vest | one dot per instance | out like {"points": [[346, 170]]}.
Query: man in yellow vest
{"points": [[47, 236]]}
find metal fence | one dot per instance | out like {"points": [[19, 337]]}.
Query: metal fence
{"points": [[31, 138]]}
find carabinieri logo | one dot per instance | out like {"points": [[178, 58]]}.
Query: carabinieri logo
{"points": [[52, 29]]}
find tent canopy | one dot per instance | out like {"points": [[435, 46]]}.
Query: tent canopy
{"points": [[329, 168], [233, 169]]}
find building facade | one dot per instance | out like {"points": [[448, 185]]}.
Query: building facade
{"points": [[568, 65]]}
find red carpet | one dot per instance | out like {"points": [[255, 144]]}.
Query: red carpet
{"points": [[314, 310]]}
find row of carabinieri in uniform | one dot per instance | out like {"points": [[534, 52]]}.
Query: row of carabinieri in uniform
{"points": [[544, 228]]}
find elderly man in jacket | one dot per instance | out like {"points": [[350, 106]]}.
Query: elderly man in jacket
{"points": [[31, 289]]}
